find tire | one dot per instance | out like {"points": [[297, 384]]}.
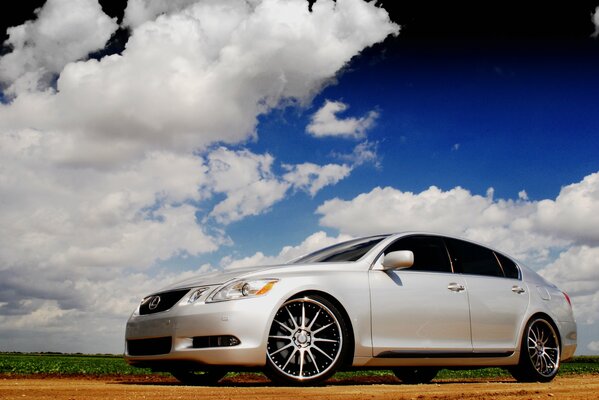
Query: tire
{"points": [[198, 378], [307, 342], [539, 353], [413, 375]]}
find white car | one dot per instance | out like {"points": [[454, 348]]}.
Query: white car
{"points": [[410, 302]]}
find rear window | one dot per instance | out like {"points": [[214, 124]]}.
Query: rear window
{"points": [[469, 258], [509, 267]]}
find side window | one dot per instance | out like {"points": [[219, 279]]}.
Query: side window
{"points": [[429, 253], [469, 258], [509, 267]]}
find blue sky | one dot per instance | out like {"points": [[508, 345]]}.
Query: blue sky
{"points": [[515, 116], [151, 144]]}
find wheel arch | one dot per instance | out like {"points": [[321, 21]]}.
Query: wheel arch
{"points": [[535, 370], [548, 318], [351, 348]]}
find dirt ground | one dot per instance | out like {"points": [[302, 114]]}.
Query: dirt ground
{"points": [[252, 388]]}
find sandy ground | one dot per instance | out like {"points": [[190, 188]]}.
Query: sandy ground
{"points": [[251, 388]]}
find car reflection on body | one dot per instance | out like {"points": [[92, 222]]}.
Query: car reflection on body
{"points": [[410, 302]]}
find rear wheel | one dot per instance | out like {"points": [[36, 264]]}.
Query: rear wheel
{"points": [[539, 353], [198, 378], [306, 342], [412, 375]]}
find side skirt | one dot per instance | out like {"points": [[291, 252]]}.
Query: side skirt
{"points": [[440, 354]]}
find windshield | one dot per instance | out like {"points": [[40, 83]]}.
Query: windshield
{"points": [[351, 250]]}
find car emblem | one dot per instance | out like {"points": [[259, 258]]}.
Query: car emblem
{"points": [[154, 302]]}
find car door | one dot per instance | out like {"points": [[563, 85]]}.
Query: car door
{"points": [[498, 298], [421, 309]]}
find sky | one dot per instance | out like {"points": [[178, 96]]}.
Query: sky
{"points": [[148, 141]]}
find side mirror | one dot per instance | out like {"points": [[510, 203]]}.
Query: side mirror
{"points": [[398, 260]]}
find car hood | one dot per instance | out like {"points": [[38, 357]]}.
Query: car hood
{"points": [[217, 277]]}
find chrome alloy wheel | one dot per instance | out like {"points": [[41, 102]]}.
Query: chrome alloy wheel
{"points": [[305, 340], [543, 348]]}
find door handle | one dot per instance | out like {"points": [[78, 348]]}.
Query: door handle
{"points": [[455, 287], [518, 289]]}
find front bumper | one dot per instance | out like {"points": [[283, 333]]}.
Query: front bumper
{"points": [[246, 320]]}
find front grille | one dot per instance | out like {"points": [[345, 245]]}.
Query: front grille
{"points": [[149, 347], [161, 301]]}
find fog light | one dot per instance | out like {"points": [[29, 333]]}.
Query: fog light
{"points": [[226, 341], [202, 342]]}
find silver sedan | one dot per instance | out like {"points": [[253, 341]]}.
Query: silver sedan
{"points": [[410, 302]]}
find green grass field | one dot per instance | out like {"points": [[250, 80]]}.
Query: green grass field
{"points": [[98, 365]]}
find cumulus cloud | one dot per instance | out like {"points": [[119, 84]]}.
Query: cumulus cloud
{"points": [[595, 19], [574, 213], [140, 11], [456, 211], [364, 153], [85, 223], [570, 218], [557, 236], [95, 323], [326, 123], [57, 217], [247, 181], [251, 187], [71, 235], [185, 81], [311, 177], [65, 31], [111, 168], [315, 241], [576, 270]]}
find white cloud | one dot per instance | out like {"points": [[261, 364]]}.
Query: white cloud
{"points": [[455, 211], [55, 216], [233, 170], [59, 219], [251, 187], [197, 76], [595, 19], [71, 234], [571, 218], [594, 346], [140, 11], [311, 177], [522, 195], [315, 241], [576, 270], [574, 213], [326, 123], [110, 171], [65, 31], [247, 181], [93, 320], [363, 153], [559, 237]]}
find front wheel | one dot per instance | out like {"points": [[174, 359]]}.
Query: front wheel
{"points": [[306, 342], [412, 375], [198, 378], [539, 353]]}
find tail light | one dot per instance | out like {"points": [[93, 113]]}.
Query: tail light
{"points": [[567, 298]]}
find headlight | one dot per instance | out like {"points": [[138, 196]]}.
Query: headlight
{"points": [[244, 289], [196, 294]]}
